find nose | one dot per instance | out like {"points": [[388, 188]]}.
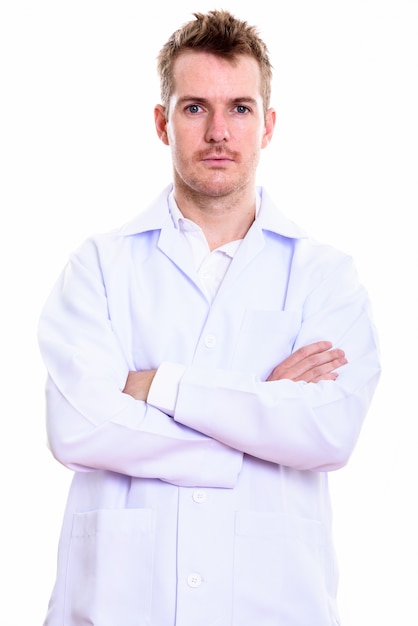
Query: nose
{"points": [[217, 128]]}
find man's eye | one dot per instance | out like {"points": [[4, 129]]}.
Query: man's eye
{"points": [[193, 108], [240, 108]]}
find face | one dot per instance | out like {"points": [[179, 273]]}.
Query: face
{"points": [[215, 125]]}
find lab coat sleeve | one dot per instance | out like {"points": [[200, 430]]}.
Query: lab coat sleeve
{"points": [[91, 423], [302, 425]]}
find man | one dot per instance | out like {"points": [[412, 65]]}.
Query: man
{"points": [[208, 365]]}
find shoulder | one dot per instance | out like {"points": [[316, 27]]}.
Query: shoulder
{"points": [[142, 227]]}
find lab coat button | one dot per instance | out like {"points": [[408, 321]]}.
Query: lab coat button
{"points": [[210, 341], [194, 580], [199, 496]]}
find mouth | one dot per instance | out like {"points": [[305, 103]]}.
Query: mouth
{"points": [[217, 159], [217, 154]]}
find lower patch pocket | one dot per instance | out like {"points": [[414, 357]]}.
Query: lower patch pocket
{"points": [[279, 571], [110, 564]]}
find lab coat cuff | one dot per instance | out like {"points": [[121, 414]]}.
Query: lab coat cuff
{"points": [[164, 387]]}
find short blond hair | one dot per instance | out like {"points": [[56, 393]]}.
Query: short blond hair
{"points": [[219, 33]]}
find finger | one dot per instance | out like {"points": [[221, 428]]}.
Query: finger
{"points": [[320, 364], [294, 365], [322, 372], [310, 366], [306, 352], [332, 376]]}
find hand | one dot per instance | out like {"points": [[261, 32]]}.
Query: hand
{"points": [[138, 384], [312, 363]]}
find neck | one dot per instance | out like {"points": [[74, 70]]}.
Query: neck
{"points": [[222, 219]]}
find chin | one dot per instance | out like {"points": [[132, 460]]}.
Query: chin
{"points": [[216, 189]]}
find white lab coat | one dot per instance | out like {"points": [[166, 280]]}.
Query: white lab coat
{"points": [[220, 514]]}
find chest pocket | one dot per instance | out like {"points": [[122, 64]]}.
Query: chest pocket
{"points": [[265, 339]]}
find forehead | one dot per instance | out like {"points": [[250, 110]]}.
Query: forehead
{"points": [[203, 71]]}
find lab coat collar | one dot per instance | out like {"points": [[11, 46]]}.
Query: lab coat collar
{"points": [[158, 215], [272, 219]]}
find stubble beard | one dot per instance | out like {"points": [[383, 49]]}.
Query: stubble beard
{"points": [[213, 182]]}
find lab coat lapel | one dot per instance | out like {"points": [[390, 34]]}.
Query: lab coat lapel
{"points": [[250, 247], [269, 219], [172, 243]]}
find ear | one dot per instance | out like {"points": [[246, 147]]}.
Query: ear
{"points": [[269, 125], [161, 123]]}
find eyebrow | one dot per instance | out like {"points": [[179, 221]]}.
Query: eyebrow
{"points": [[247, 99]]}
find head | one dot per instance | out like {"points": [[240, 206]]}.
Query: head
{"points": [[221, 34], [215, 114]]}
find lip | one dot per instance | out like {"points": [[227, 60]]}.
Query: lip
{"points": [[217, 159]]}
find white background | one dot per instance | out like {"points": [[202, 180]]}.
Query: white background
{"points": [[79, 154]]}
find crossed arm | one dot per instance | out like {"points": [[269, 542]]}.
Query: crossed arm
{"points": [[312, 363]]}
